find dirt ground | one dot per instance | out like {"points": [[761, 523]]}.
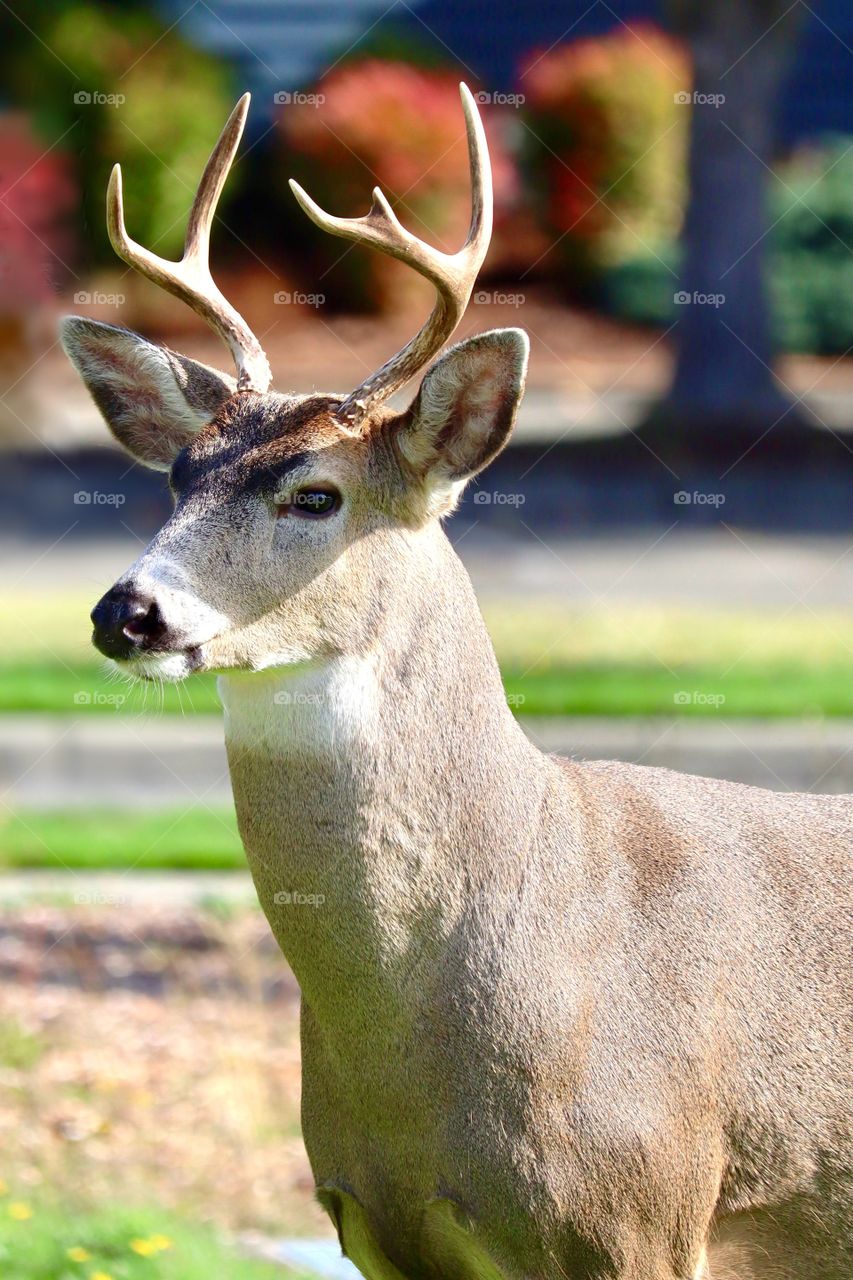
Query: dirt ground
{"points": [[151, 1056]]}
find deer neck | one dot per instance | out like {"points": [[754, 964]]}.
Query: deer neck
{"points": [[376, 792]]}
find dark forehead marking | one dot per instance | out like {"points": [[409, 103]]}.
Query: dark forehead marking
{"points": [[255, 440]]}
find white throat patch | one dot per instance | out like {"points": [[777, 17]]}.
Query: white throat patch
{"points": [[318, 708]]}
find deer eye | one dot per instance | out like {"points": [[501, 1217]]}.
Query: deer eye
{"points": [[311, 503]]}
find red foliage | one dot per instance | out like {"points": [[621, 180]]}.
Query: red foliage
{"points": [[36, 195], [607, 140], [399, 127]]}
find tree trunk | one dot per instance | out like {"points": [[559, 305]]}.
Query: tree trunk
{"points": [[724, 385]]}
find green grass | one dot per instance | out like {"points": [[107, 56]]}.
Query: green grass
{"points": [[583, 689], [557, 660], [109, 839], [616, 690], [41, 1242], [86, 689]]}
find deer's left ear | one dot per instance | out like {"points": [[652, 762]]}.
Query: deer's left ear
{"points": [[465, 409]]}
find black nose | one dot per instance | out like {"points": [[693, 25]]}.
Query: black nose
{"points": [[127, 622]]}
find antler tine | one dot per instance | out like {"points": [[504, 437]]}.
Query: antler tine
{"points": [[190, 279], [452, 274]]}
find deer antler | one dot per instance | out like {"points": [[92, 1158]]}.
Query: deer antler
{"points": [[190, 279], [452, 274]]}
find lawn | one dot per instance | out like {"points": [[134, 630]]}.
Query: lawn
{"points": [[39, 1241], [616, 688], [555, 661], [111, 839]]}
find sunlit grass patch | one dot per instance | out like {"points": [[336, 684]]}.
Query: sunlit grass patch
{"points": [[194, 839], [544, 633], [40, 1241], [557, 659]]}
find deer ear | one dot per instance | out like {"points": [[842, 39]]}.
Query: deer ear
{"points": [[153, 400], [465, 409]]}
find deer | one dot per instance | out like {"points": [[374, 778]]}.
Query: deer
{"points": [[560, 1019]]}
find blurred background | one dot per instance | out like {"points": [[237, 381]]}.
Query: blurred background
{"points": [[663, 554]]}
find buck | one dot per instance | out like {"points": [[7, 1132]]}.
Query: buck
{"points": [[560, 1020]]}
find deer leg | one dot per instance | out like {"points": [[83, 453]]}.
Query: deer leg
{"points": [[355, 1234]]}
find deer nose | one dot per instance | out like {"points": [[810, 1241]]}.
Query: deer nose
{"points": [[127, 622]]}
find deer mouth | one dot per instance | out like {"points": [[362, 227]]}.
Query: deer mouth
{"points": [[170, 665]]}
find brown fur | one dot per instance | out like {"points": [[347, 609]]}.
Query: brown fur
{"points": [[560, 1021]]}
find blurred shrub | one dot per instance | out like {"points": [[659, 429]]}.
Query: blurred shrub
{"points": [[389, 124], [605, 148], [641, 289], [126, 89], [811, 249], [36, 195]]}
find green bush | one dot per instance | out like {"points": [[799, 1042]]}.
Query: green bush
{"points": [[641, 289], [811, 249], [163, 104], [809, 258]]}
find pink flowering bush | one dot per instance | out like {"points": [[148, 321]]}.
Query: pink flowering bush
{"points": [[606, 144], [399, 127]]}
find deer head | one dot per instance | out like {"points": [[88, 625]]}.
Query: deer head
{"points": [[293, 514]]}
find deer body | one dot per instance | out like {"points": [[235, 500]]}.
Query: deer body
{"points": [[507, 944], [560, 1021]]}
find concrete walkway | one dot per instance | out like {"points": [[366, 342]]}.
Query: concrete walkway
{"points": [[48, 762], [127, 889]]}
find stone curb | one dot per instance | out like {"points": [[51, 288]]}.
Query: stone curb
{"points": [[57, 762]]}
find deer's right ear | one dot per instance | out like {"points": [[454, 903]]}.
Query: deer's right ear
{"points": [[153, 400]]}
